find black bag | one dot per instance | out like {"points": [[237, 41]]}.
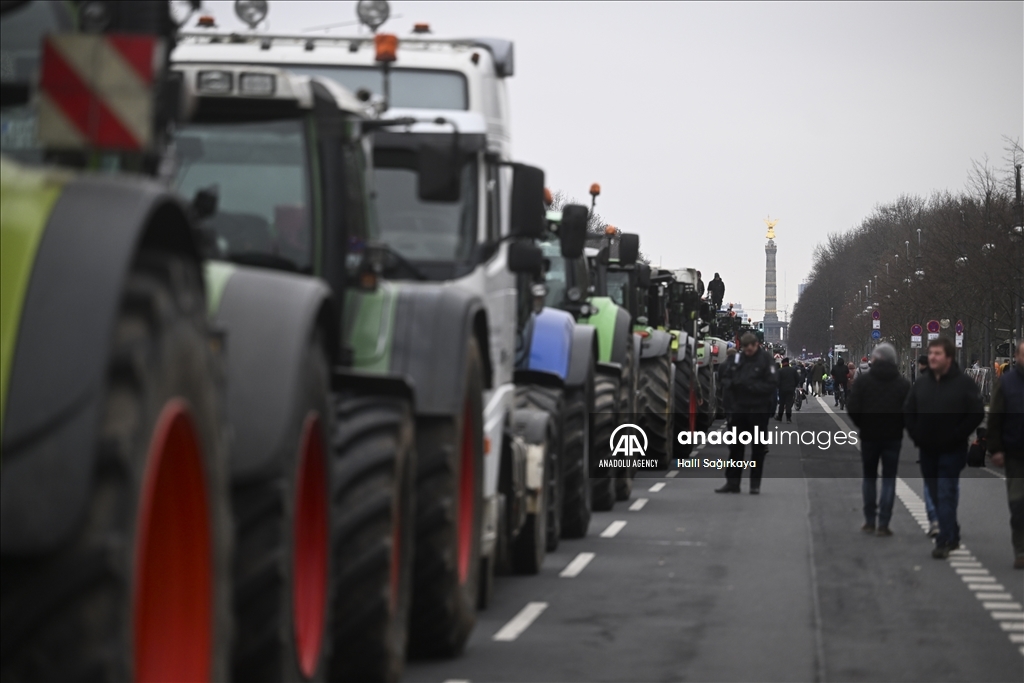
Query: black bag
{"points": [[976, 453]]}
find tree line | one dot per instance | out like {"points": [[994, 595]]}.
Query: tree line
{"points": [[947, 257]]}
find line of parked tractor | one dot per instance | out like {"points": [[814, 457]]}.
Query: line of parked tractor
{"points": [[292, 426]]}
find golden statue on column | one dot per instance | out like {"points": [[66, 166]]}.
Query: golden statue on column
{"points": [[770, 222]]}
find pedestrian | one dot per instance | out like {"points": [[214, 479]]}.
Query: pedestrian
{"points": [[862, 369], [817, 377], [700, 286], [941, 412], [840, 376], [929, 504], [788, 382], [716, 288], [752, 387], [875, 405], [1006, 443]]}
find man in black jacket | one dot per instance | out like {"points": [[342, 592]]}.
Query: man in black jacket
{"points": [[716, 288], [840, 376], [1006, 443], [876, 406], [788, 382], [941, 411], [751, 392]]}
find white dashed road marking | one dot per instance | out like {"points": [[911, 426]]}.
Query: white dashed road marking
{"points": [[973, 573], [520, 622], [577, 565], [657, 487], [613, 529], [638, 504], [673, 473]]}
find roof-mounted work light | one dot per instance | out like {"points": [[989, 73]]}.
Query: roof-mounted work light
{"points": [[251, 12], [373, 13]]}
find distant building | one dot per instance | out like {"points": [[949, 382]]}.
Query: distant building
{"points": [[800, 289]]}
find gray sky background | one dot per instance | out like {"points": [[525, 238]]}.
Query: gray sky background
{"points": [[701, 119]]}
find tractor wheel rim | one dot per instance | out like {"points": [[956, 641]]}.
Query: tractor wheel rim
{"points": [[309, 554], [467, 491], [173, 587]]}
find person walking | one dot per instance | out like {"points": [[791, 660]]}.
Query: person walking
{"points": [[941, 411], [716, 288], [929, 504], [840, 377], [1006, 443], [788, 382], [875, 405], [863, 368], [751, 389], [817, 377]]}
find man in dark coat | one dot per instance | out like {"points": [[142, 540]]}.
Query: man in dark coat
{"points": [[817, 373], [716, 288], [876, 406], [840, 378], [788, 382], [751, 391], [1006, 443], [941, 412]]}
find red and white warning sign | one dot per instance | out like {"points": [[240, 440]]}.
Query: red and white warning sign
{"points": [[96, 91]]}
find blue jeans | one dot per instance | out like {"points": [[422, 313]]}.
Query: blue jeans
{"points": [[941, 472], [871, 452], [929, 504]]}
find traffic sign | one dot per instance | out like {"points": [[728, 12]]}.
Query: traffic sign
{"points": [[959, 327], [933, 326], [916, 330], [876, 334], [875, 315], [876, 324]]}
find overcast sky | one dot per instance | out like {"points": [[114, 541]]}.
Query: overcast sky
{"points": [[699, 120]]}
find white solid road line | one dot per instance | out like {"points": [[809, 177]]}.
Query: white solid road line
{"points": [[638, 504], [520, 622], [657, 487], [976, 577], [574, 568], [613, 529]]}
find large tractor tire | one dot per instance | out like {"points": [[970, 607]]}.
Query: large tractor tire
{"points": [[576, 444], [707, 409], [142, 590], [449, 510], [283, 570], [373, 502], [627, 406], [607, 400], [654, 406], [549, 401], [529, 546], [686, 395]]}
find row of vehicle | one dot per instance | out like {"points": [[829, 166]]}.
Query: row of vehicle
{"points": [[295, 359]]}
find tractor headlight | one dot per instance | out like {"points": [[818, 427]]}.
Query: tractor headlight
{"points": [[214, 82], [258, 85], [574, 294], [251, 12]]}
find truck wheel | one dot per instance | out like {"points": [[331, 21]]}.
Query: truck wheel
{"points": [[283, 570], [685, 396], [448, 514], [607, 398], [654, 406], [530, 544], [551, 402], [142, 590], [372, 505], [576, 445]]}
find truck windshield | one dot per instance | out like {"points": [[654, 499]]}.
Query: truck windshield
{"points": [[618, 281], [409, 88], [424, 232], [258, 171], [556, 277]]}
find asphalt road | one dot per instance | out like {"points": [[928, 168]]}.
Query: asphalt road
{"points": [[698, 586]]}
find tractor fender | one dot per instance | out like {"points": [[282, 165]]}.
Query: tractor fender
{"points": [[584, 354], [622, 334], [658, 343], [58, 374], [432, 324], [551, 342], [531, 426], [268, 319]]}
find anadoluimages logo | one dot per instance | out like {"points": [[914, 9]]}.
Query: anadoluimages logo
{"points": [[627, 443]]}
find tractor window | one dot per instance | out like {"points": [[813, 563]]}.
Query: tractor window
{"points": [[259, 172], [428, 233], [556, 276], [618, 286]]}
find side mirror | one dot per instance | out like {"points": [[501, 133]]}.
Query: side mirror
{"points": [[643, 275], [438, 174], [573, 231], [629, 249], [525, 257], [528, 212]]}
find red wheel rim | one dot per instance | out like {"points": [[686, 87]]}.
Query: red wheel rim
{"points": [[309, 560], [467, 491], [173, 589]]}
